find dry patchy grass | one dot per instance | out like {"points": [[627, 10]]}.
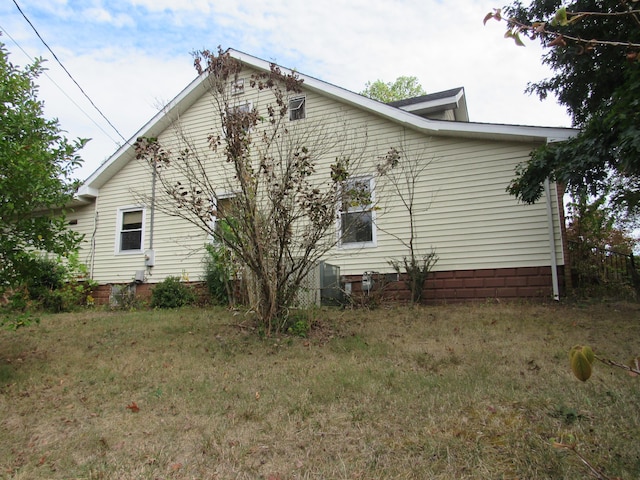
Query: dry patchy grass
{"points": [[466, 391]]}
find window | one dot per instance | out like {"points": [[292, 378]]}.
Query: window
{"points": [[240, 115], [297, 108], [222, 204], [357, 216], [237, 87], [130, 230]]}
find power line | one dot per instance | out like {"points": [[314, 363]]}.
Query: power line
{"points": [[67, 72], [59, 87]]}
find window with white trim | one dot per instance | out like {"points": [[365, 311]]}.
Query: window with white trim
{"points": [[237, 86], [297, 108], [221, 206], [240, 115], [130, 230], [357, 216]]}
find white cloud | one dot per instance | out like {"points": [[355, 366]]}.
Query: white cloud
{"points": [[128, 54], [102, 15]]}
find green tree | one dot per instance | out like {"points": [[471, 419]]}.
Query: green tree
{"points": [[594, 224], [594, 228], [36, 166], [592, 48], [403, 87]]}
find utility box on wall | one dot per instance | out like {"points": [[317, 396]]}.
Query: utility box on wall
{"points": [[139, 276], [149, 258]]}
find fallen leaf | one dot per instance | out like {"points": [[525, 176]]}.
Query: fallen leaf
{"points": [[133, 406]]}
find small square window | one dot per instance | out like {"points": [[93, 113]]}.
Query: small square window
{"points": [[297, 108], [357, 227], [237, 87]]}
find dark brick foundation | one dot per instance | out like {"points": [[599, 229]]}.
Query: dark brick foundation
{"points": [[452, 286], [143, 292], [466, 285]]}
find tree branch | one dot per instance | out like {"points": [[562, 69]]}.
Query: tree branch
{"points": [[536, 29]]}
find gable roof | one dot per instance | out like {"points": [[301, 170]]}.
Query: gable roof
{"points": [[401, 114], [423, 105]]}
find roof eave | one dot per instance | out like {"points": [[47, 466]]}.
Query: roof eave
{"points": [[193, 91]]}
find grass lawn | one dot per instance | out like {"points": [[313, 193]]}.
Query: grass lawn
{"points": [[449, 392]]}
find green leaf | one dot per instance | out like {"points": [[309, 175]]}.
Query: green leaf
{"points": [[580, 366], [560, 18], [518, 40], [588, 353]]}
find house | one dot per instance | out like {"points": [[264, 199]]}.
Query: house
{"points": [[488, 244]]}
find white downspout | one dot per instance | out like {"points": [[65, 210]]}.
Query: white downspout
{"points": [[153, 204], [552, 242], [92, 245]]}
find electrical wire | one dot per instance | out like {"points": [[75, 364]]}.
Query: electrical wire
{"points": [[4, 30], [67, 72]]}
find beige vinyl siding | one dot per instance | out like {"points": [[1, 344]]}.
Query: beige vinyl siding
{"points": [[464, 213], [446, 115], [82, 220], [462, 209], [178, 246]]}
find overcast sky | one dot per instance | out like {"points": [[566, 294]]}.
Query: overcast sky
{"points": [[131, 56]]}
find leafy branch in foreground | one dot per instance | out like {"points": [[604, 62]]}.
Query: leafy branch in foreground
{"points": [[593, 50], [564, 18], [581, 358]]}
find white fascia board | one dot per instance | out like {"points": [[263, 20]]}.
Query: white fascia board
{"points": [[450, 102], [193, 91], [444, 127], [152, 128], [434, 127]]}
